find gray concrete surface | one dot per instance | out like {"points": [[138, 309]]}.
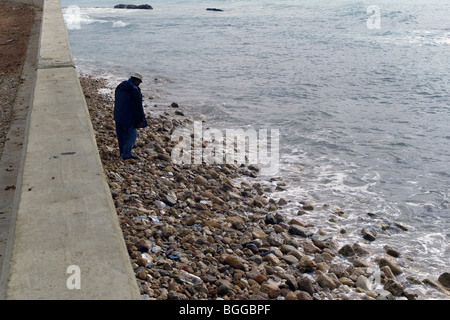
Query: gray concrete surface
{"points": [[13, 148], [65, 241]]}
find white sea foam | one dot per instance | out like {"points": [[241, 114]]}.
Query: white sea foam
{"points": [[106, 91], [80, 17], [120, 24]]}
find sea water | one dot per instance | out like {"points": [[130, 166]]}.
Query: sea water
{"points": [[359, 91]]}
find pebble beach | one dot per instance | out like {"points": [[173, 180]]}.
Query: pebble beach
{"points": [[206, 232]]}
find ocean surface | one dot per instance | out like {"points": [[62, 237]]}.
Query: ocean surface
{"points": [[359, 91]]}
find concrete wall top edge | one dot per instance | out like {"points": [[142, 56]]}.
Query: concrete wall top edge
{"points": [[54, 43]]}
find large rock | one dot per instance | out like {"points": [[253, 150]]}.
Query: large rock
{"points": [[272, 259], [444, 279], [290, 259], [297, 230], [306, 283], [170, 199], [326, 281], [368, 235], [303, 295], [364, 283], [396, 270], [200, 180], [272, 218], [309, 247], [394, 287], [347, 251], [307, 264], [271, 289], [385, 295], [133, 6], [234, 261], [388, 272]]}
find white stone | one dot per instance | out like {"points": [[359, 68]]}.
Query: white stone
{"points": [[364, 283]]}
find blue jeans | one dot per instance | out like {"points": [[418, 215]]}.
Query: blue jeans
{"points": [[126, 137]]}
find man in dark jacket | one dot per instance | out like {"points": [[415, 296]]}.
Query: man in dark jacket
{"points": [[128, 114]]}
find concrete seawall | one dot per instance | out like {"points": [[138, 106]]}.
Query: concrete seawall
{"points": [[65, 241]]}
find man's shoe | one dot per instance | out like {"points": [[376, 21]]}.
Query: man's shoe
{"points": [[131, 157]]}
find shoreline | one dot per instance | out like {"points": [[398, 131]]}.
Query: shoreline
{"points": [[193, 232], [15, 29]]}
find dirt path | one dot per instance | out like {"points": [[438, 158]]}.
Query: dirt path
{"points": [[19, 35], [16, 21]]}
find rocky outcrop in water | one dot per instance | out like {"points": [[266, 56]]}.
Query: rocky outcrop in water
{"points": [[133, 6]]}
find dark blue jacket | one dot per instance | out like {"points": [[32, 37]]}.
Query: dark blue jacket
{"points": [[128, 110]]}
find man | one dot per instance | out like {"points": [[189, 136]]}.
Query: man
{"points": [[128, 114]]}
